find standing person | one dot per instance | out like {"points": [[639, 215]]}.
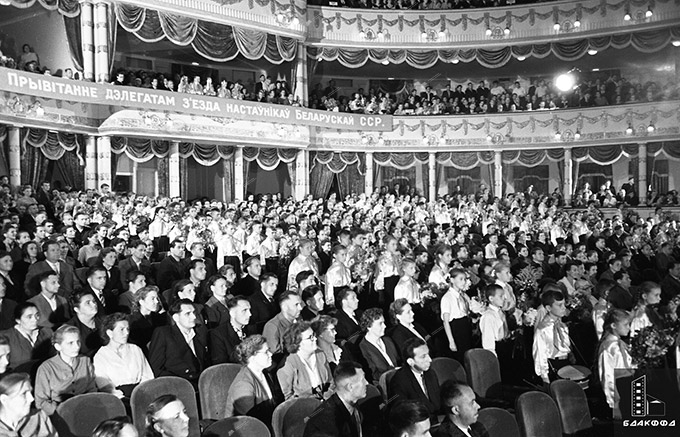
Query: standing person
{"points": [[65, 375], [613, 357], [304, 261], [455, 314], [337, 275], [339, 415], [16, 416], [551, 348]]}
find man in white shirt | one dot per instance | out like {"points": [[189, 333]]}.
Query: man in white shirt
{"points": [[54, 309]]}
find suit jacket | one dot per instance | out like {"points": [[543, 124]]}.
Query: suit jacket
{"points": [[346, 327], [7, 313], [169, 271], [128, 265], [247, 286], [247, 396], [216, 312], [621, 298], [67, 278], [261, 311], [449, 429], [48, 318], [400, 334], [404, 386], [331, 419], [294, 378], [376, 361], [170, 355], [113, 284], [223, 342], [15, 290], [670, 287], [110, 304]]}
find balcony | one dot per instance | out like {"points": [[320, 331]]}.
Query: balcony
{"points": [[486, 28]]}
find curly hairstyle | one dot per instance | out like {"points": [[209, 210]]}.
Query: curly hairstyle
{"points": [[250, 346], [369, 317], [293, 336]]}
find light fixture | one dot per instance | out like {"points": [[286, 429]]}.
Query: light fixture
{"points": [[442, 140], [381, 141], [592, 52], [364, 140], [556, 26], [194, 63], [566, 82], [362, 34], [442, 33], [488, 31], [385, 62], [558, 135], [651, 128], [425, 141], [577, 23], [676, 43], [380, 34], [627, 17], [577, 135], [521, 58], [424, 34], [649, 13], [629, 130], [488, 138], [506, 31], [455, 61], [295, 21], [280, 16]]}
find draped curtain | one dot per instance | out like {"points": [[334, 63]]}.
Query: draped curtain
{"points": [[647, 41], [269, 158], [75, 41], [4, 150], [217, 42], [140, 149], [345, 166], [71, 170], [38, 147], [68, 8]]}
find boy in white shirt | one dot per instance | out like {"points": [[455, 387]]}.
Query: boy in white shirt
{"points": [[552, 347]]}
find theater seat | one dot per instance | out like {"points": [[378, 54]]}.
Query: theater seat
{"points": [[237, 426], [572, 404], [385, 382], [498, 422], [80, 415], [148, 391], [290, 418], [213, 387], [537, 415], [448, 369]]}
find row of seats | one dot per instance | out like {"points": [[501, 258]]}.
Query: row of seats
{"points": [[537, 414]]}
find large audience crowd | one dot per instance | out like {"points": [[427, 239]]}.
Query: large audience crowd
{"points": [[102, 291]]}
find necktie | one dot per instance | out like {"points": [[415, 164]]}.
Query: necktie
{"points": [[357, 421], [421, 376], [558, 335], [470, 433]]}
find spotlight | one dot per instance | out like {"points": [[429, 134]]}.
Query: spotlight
{"points": [[627, 17], [649, 13], [565, 82], [385, 62], [676, 43], [521, 58], [488, 31], [577, 23], [455, 61], [556, 26], [577, 135], [629, 130], [506, 31], [592, 52], [650, 128]]}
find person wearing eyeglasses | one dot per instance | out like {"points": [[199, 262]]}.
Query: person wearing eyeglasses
{"points": [[306, 371], [251, 392]]}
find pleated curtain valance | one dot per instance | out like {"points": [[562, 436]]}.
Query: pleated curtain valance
{"points": [[217, 42], [52, 144], [68, 8], [206, 154], [269, 158], [140, 149], [337, 162], [400, 161], [648, 42]]}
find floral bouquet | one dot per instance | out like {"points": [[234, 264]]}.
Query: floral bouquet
{"points": [[526, 280], [650, 346], [579, 306], [431, 294], [362, 269], [529, 317]]}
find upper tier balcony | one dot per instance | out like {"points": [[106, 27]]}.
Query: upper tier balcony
{"points": [[487, 27]]}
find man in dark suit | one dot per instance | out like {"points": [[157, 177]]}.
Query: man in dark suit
{"points": [[107, 301], [461, 412], [48, 299], [197, 251], [228, 335], [52, 263], [416, 381], [621, 296], [339, 415], [250, 284], [180, 349], [670, 285], [348, 319], [171, 268], [312, 296], [136, 261], [44, 198], [7, 307], [263, 307]]}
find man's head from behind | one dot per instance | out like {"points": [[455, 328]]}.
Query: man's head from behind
{"points": [[410, 419]]}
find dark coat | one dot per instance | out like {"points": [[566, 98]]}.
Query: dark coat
{"points": [[400, 334], [376, 361], [331, 419], [128, 265], [247, 286], [170, 355], [67, 278], [404, 386], [261, 311], [169, 271]]}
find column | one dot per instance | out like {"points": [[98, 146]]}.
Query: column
{"points": [[301, 89], [239, 188], [301, 171], [91, 162], [432, 176], [642, 173], [87, 37], [498, 174], [368, 181], [103, 161], [568, 189], [101, 43], [174, 178], [14, 156]]}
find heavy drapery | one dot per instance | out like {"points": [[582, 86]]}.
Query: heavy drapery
{"points": [[205, 154], [53, 145], [649, 41], [140, 149], [68, 8], [217, 42], [347, 167], [269, 158]]}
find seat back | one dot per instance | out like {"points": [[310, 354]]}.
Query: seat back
{"points": [[80, 415], [148, 391], [213, 387], [370, 407], [483, 373], [384, 382], [237, 426], [572, 404], [537, 415], [448, 369], [290, 418], [498, 422]]}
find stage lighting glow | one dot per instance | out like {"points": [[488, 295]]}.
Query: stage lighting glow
{"points": [[565, 82], [676, 43]]}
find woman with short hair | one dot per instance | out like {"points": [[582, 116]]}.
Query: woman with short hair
{"points": [[29, 343], [166, 416], [378, 349], [16, 416]]}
